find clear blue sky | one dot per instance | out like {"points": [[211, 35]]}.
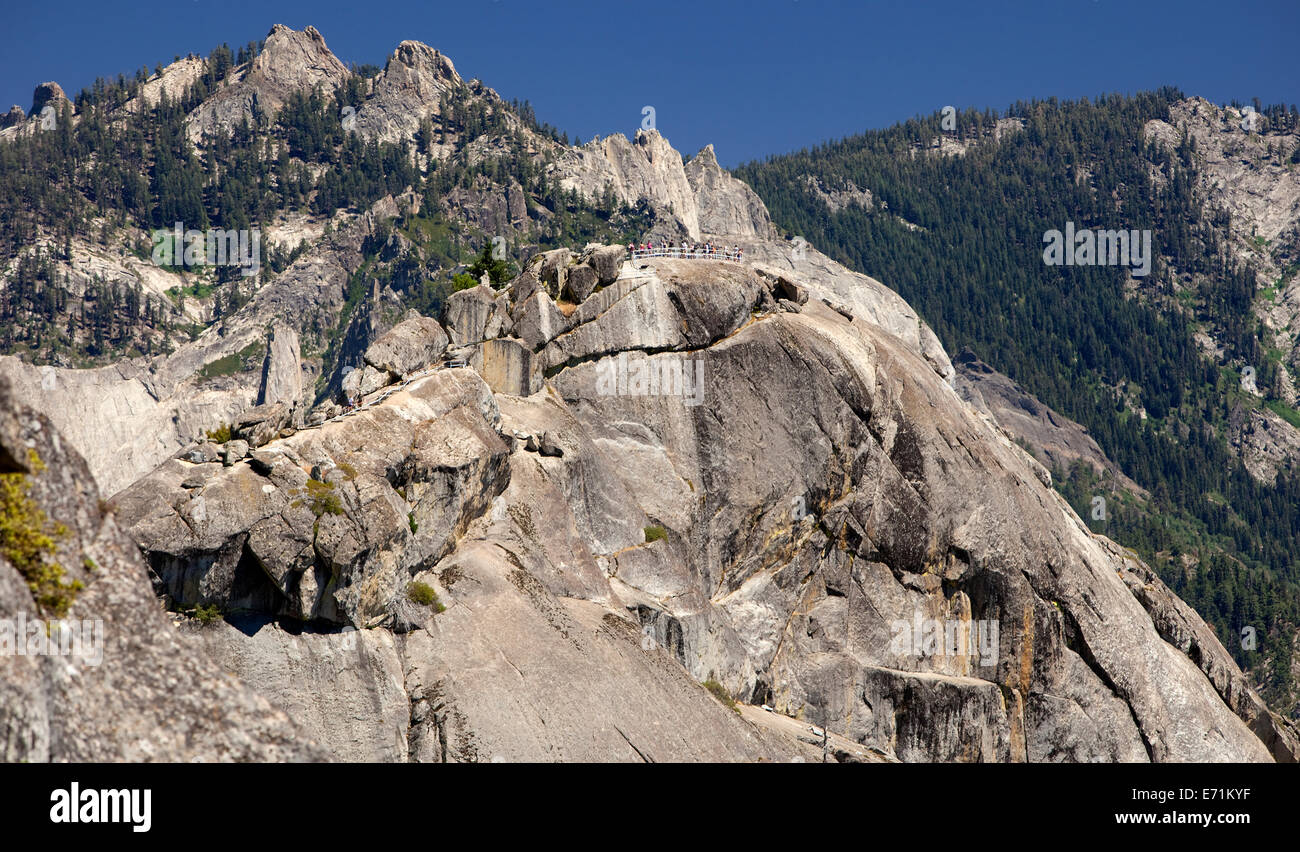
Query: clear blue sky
{"points": [[752, 78]]}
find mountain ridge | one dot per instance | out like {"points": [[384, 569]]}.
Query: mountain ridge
{"points": [[602, 560]]}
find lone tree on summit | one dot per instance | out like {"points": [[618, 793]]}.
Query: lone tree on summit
{"points": [[499, 269]]}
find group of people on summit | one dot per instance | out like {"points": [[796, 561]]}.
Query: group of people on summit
{"points": [[705, 251]]}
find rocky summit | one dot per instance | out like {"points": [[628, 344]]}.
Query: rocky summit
{"points": [[733, 503], [597, 543]]}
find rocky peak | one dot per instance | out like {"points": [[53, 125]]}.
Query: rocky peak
{"points": [[15, 116], [646, 168], [410, 89], [290, 61], [416, 54], [50, 93], [727, 206]]}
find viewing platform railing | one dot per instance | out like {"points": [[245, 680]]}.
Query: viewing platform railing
{"points": [[681, 253]]}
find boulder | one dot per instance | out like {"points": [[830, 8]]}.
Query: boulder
{"points": [[261, 424], [373, 380], [412, 345], [580, 284], [790, 291], [349, 389], [201, 453], [549, 446], [234, 452], [553, 269], [608, 262], [522, 289], [469, 314]]}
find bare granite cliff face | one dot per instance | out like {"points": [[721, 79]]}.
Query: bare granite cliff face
{"points": [[137, 690], [726, 205], [646, 167], [750, 489]]}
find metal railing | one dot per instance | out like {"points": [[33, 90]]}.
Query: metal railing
{"points": [[692, 253]]}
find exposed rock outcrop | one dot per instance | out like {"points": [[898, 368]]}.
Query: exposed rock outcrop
{"points": [[411, 87], [139, 691], [727, 206], [646, 167], [51, 95], [282, 369], [128, 418], [14, 117], [554, 515], [412, 345], [811, 481], [291, 61]]}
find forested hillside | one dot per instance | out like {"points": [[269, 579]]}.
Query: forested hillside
{"points": [[955, 221]]}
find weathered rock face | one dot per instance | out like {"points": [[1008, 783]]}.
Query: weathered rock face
{"points": [[118, 418], [282, 369], [513, 672], [49, 94], [646, 167], [508, 366], [473, 315], [720, 482], [290, 61], [411, 87], [348, 688], [13, 118], [727, 206], [412, 345], [265, 536], [140, 691]]}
